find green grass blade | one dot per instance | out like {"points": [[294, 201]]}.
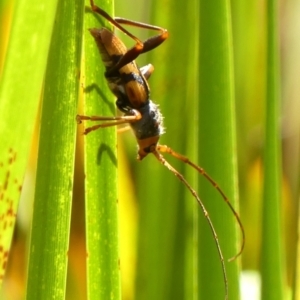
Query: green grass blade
{"points": [[20, 88], [53, 194], [272, 252], [165, 253], [217, 149], [6, 8], [296, 279], [103, 273]]}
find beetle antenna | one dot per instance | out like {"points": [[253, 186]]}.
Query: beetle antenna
{"points": [[166, 149], [195, 195]]}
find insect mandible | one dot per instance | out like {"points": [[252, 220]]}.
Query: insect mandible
{"points": [[129, 84]]}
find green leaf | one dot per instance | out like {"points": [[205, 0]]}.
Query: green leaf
{"points": [[103, 274], [54, 184], [20, 88], [217, 150], [272, 252], [167, 242]]}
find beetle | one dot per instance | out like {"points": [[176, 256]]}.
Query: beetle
{"points": [[129, 84]]}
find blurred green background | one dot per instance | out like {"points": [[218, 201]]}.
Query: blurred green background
{"points": [[141, 184]]}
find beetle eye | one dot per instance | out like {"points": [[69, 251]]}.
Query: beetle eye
{"points": [[152, 114]]}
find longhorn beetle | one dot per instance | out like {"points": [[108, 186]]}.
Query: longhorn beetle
{"points": [[129, 84]]}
